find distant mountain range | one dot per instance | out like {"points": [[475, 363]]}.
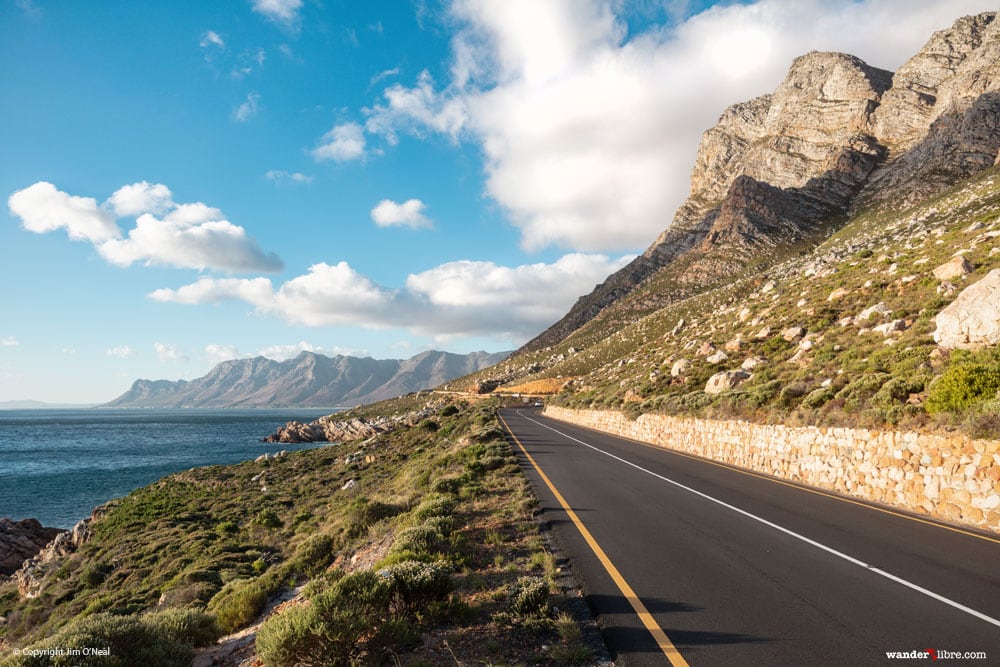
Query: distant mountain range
{"points": [[308, 380], [39, 405]]}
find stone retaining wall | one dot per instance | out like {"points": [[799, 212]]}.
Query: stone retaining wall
{"points": [[949, 477]]}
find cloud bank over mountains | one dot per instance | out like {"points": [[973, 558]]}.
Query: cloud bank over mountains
{"points": [[452, 300], [588, 131]]}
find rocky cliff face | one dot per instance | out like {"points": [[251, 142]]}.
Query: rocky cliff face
{"points": [[308, 380], [21, 540], [837, 136]]}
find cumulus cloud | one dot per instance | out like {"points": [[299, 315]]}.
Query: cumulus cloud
{"points": [[285, 12], [42, 208], [288, 178], [10, 341], [121, 351], [388, 213], [216, 354], [344, 142], [248, 109], [168, 352], [462, 298], [139, 198], [589, 131], [191, 235]]}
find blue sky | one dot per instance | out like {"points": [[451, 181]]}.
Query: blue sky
{"points": [[188, 182]]}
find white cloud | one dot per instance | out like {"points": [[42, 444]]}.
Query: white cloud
{"points": [[168, 352], [344, 142], [288, 178], [589, 133], [215, 290], [42, 208], [388, 213], [247, 110], [285, 12], [384, 74], [68, 350], [121, 351], [211, 38], [216, 354], [286, 352], [190, 236], [10, 341], [462, 298], [139, 198]]}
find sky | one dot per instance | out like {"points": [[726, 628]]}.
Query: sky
{"points": [[191, 182]]}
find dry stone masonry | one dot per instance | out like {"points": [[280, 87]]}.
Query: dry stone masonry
{"points": [[947, 477]]}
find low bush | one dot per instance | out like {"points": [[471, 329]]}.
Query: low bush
{"points": [[128, 640], [963, 385], [528, 596], [237, 605], [188, 626]]}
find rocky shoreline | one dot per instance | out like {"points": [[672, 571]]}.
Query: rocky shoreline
{"points": [[329, 429]]}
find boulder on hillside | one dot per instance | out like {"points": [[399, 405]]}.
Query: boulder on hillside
{"points": [[21, 540], [680, 368], [956, 267], [973, 319], [724, 381]]}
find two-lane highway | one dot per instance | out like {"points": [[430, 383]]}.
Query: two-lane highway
{"points": [[686, 561]]}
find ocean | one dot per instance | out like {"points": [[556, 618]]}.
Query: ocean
{"points": [[57, 465]]}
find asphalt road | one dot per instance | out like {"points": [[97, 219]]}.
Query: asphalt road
{"points": [[731, 568]]}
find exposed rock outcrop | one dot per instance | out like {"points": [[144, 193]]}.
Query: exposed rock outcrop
{"points": [[332, 429], [972, 320], [30, 577], [21, 540]]}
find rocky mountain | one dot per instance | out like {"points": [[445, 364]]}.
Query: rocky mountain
{"points": [[780, 172], [309, 380]]}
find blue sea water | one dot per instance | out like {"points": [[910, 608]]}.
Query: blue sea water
{"points": [[57, 465]]}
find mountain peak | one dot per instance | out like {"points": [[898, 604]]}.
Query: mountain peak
{"points": [[783, 169]]}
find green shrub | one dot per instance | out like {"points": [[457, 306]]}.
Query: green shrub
{"points": [[313, 555], [817, 398], [94, 574], [963, 385], [128, 639], [529, 595], [416, 585], [434, 506], [268, 518], [188, 626], [364, 513], [421, 540], [237, 605], [447, 485]]}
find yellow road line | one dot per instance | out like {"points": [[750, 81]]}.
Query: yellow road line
{"points": [[667, 646], [794, 485]]}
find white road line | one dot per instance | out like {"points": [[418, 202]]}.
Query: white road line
{"points": [[786, 531]]}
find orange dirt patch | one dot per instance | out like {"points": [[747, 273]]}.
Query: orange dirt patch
{"points": [[545, 386]]}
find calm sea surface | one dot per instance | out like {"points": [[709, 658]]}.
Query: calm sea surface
{"points": [[57, 465]]}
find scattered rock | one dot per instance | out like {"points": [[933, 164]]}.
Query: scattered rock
{"points": [[734, 345], [717, 358], [680, 368], [890, 328], [763, 333], [956, 267], [972, 320], [791, 333], [838, 294], [751, 363], [706, 349], [724, 381], [879, 309]]}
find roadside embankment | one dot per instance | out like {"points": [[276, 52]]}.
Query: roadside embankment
{"points": [[953, 478]]}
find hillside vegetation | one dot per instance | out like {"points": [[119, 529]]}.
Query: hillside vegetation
{"points": [[413, 547], [838, 334]]}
